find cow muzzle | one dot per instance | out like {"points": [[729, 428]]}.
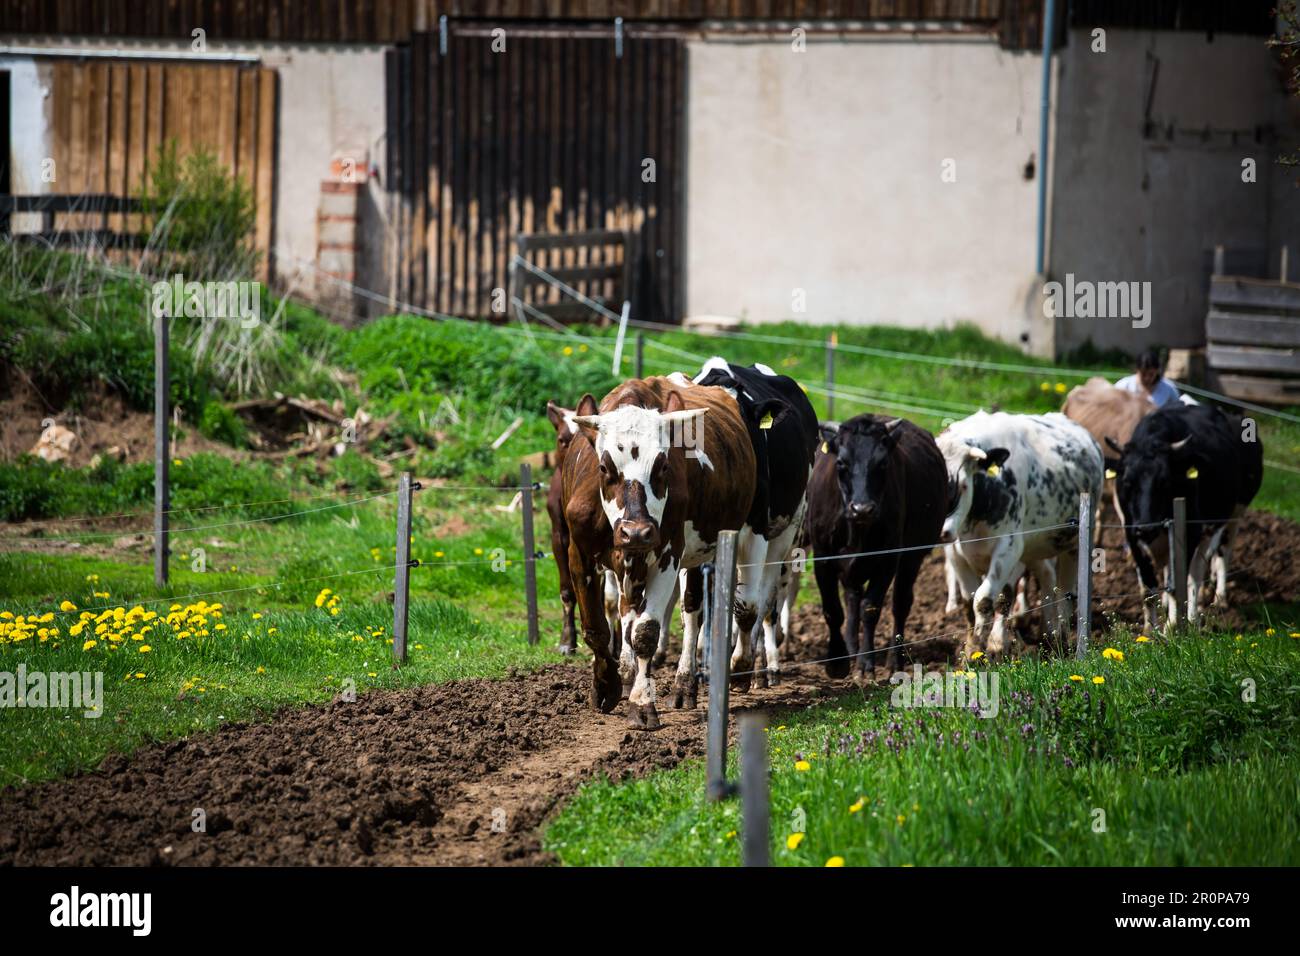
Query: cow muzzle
{"points": [[862, 514], [636, 535]]}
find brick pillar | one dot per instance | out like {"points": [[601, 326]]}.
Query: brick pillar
{"points": [[337, 236]]}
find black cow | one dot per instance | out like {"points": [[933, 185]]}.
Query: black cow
{"points": [[782, 428], [879, 484], [1201, 454]]}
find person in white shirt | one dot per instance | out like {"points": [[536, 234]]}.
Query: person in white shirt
{"points": [[1149, 380]]}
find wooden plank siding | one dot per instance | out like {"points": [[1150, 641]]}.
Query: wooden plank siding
{"points": [[1253, 339], [109, 118], [397, 21], [547, 138]]}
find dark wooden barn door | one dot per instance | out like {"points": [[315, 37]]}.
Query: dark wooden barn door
{"points": [[554, 135]]}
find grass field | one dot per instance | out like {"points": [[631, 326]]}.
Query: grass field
{"points": [[1187, 753]]}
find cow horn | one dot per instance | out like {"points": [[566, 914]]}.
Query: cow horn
{"points": [[591, 421], [683, 415], [978, 454], [1179, 445], [892, 424]]}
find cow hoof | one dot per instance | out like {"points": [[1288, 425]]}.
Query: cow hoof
{"points": [[626, 689], [760, 679], [642, 718], [566, 649], [659, 659], [683, 696], [773, 678], [741, 681], [837, 669], [604, 698]]}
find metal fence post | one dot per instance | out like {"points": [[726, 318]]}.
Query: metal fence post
{"points": [[724, 587], [831, 342], [530, 550], [402, 566], [1178, 560], [640, 355], [753, 788], [1085, 576], [161, 449]]}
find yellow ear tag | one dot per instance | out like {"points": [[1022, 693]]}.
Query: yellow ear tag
{"points": [[826, 448], [766, 422], [992, 471], [1110, 473], [1193, 473]]}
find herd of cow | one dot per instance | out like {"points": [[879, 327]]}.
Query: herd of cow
{"points": [[646, 480]]}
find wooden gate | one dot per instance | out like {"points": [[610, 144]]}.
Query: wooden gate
{"points": [[109, 118], [555, 134]]}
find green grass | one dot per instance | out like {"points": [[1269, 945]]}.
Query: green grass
{"points": [[1183, 768]]}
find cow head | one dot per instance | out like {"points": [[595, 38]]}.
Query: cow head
{"points": [[1150, 475], [862, 448], [565, 427], [967, 466], [642, 456]]}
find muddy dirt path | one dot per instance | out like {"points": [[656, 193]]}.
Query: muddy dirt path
{"points": [[457, 774]]}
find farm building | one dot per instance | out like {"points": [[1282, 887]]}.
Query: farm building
{"points": [[862, 161]]}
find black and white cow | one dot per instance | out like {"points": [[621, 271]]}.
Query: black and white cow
{"points": [[1198, 453], [1010, 476], [783, 429], [880, 486]]}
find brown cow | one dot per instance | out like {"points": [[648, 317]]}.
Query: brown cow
{"points": [[672, 467], [1105, 410]]}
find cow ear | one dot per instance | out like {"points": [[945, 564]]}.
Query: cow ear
{"points": [[830, 432], [998, 456], [556, 414], [674, 403], [587, 406], [1114, 445], [770, 412], [1113, 467]]}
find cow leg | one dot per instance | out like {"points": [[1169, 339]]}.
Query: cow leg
{"points": [[788, 596], [589, 584], [1001, 568], [1196, 569], [1001, 608], [950, 576], [686, 683], [751, 555], [643, 637], [853, 625], [611, 599], [828, 585], [769, 587], [1223, 557], [909, 566], [661, 652], [875, 600], [968, 580], [560, 550]]}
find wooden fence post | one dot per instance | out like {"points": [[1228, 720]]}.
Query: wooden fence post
{"points": [[402, 567], [1085, 576], [754, 810], [161, 448], [530, 550], [832, 341], [719, 637], [1178, 560]]}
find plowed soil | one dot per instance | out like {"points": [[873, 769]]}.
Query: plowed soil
{"points": [[462, 773]]}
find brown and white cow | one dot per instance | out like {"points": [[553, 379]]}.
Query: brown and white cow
{"points": [[671, 467]]}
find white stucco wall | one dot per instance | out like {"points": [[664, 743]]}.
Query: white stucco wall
{"points": [[1131, 208], [821, 171], [28, 135]]}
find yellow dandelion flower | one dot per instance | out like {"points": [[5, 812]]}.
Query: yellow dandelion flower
{"points": [[1076, 677], [1113, 655], [1099, 680], [793, 840], [1143, 639], [144, 648], [855, 807], [67, 606], [88, 645], [802, 765], [901, 819], [835, 861]]}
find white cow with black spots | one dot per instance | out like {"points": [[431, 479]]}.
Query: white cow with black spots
{"points": [[1014, 483]]}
